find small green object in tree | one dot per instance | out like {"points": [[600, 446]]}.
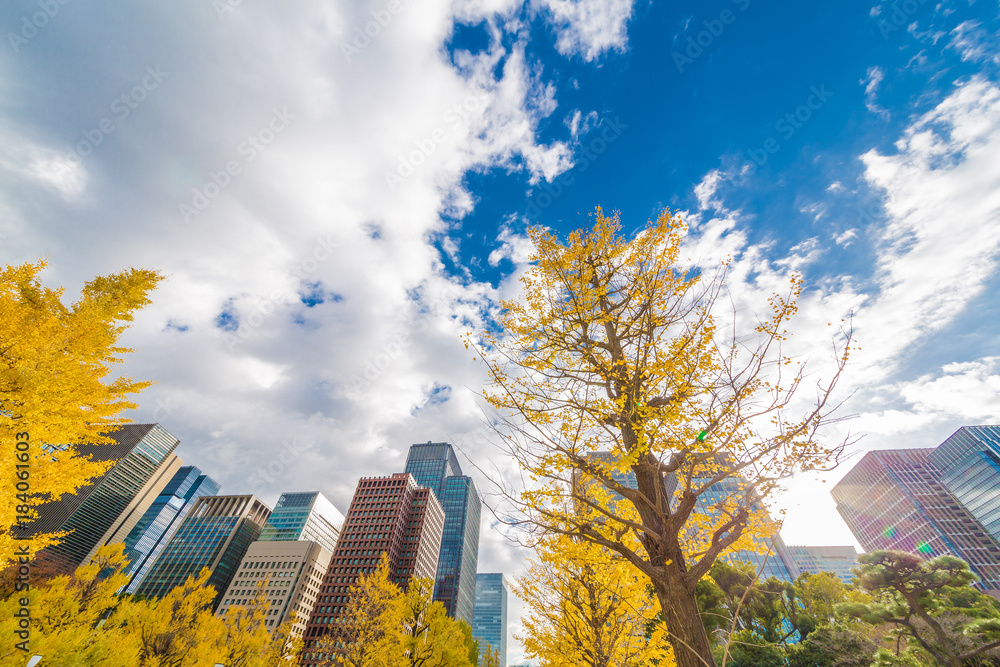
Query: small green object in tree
{"points": [[701, 436]]}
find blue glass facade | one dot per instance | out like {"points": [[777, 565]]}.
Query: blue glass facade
{"points": [[435, 466], [157, 525], [304, 516], [216, 534], [489, 624], [897, 499], [970, 469], [840, 561]]}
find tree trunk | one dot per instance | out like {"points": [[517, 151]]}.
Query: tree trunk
{"points": [[683, 620]]}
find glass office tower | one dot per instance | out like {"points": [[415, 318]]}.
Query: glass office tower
{"points": [[304, 516], [435, 466], [896, 499], [840, 561], [159, 523], [489, 623], [142, 454], [216, 534], [969, 462]]}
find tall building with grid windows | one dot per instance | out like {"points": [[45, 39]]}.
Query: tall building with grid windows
{"points": [[840, 561], [104, 511], [215, 534], [969, 462], [388, 515], [489, 624], [157, 525], [435, 466], [897, 499], [289, 560]]}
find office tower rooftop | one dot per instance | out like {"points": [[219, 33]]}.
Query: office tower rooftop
{"points": [[838, 560], [435, 466], [215, 534], [106, 509], [489, 623], [304, 516], [391, 515], [157, 525], [895, 499]]}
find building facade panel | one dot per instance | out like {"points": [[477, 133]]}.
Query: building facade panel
{"points": [[216, 534], [289, 573], [157, 525], [435, 466], [895, 499], [388, 515], [95, 511], [489, 624]]}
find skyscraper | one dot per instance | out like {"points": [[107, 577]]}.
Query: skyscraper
{"points": [[215, 534], [969, 462], [838, 560], [304, 516], [289, 560], [489, 624], [100, 513], [158, 524], [435, 466], [390, 515], [896, 499]]}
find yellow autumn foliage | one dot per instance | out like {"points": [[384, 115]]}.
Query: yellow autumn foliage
{"points": [[586, 607], [645, 419], [56, 385]]}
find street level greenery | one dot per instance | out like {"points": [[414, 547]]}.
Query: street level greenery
{"points": [[81, 620]]}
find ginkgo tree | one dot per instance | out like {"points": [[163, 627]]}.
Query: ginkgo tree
{"points": [[586, 607], [615, 346], [56, 385]]}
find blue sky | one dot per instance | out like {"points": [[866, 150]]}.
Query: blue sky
{"points": [[334, 209]]}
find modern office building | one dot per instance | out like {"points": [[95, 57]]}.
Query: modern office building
{"points": [[388, 515], [105, 510], [159, 523], [841, 561], [969, 462], [215, 534], [304, 516], [775, 560], [289, 573], [489, 624], [435, 466], [896, 499], [289, 560]]}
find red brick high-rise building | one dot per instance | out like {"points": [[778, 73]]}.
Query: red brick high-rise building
{"points": [[389, 515]]}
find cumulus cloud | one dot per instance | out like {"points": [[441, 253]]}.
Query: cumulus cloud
{"points": [[588, 28]]}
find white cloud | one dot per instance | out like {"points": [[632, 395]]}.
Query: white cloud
{"points": [[705, 190], [942, 237], [871, 82], [588, 28], [974, 43], [845, 239]]}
